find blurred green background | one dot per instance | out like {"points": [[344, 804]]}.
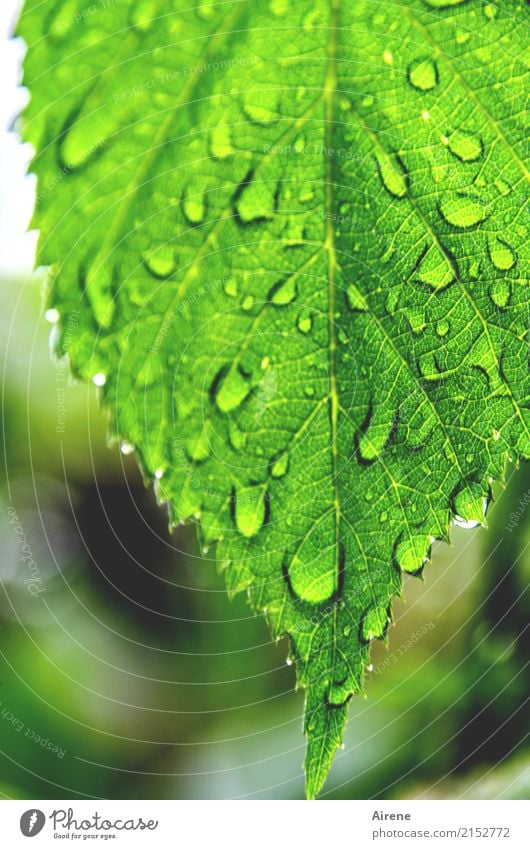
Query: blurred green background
{"points": [[125, 672]]}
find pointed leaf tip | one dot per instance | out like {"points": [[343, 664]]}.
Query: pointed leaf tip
{"points": [[324, 726]]}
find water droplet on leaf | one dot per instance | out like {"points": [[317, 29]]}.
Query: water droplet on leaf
{"points": [[304, 324], [423, 74], [231, 389], [64, 20], [206, 11], [160, 261], [306, 196], [393, 174], [280, 467], [465, 146], [462, 36], [502, 186], [374, 624], [279, 7], [220, 142], [142, 14], [376, 435], [256, 201], [355, 299], [261, 106], [247, 303], [315, 580], [392, 301], [415, 316], [435, 269], [87, 135], [470, 504], [428, 367], [501, 253], [231, 288], [500, 293], [52, 315], [340, 690], [194, 204], [283, 292], [199, 446], [444, 4], [250, 509], [412, 552], [237, 437], [310, 19], [463, 211], [442, 327]]}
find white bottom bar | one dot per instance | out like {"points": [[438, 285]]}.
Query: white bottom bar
{"points": [[262, 825]]}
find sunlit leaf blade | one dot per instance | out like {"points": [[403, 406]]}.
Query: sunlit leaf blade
{"points": [[290, 243]]}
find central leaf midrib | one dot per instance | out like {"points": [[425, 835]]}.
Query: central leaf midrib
{"points": [[330, 87]]}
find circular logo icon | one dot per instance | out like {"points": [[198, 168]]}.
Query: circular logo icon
{"points": [[31, 822]]}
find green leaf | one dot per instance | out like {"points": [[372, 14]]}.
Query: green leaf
{"points": [[289, 241]]}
